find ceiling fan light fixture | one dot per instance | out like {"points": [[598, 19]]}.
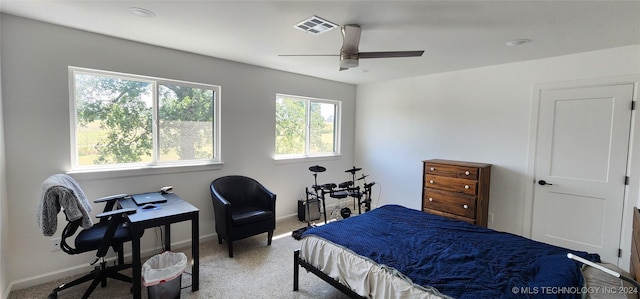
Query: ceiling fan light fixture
{"points": [[348, 60], [349, 63], [315, 25]]}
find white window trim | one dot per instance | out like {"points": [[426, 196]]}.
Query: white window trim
{"points": [[336, 138], [107, 173], [142, 168]]}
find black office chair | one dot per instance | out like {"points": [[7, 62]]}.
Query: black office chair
{"points": [[110, 231], [243, 208]]}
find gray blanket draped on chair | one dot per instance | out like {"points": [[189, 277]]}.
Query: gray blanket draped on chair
{"points": [[61, 191]]}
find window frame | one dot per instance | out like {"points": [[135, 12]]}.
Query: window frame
{"points": [[155, 83], [336, 130]]}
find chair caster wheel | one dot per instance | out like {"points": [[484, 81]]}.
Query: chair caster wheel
{"points": [[53, 296]]}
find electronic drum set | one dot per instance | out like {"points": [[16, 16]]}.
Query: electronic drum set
{"points": [[341, 191]]}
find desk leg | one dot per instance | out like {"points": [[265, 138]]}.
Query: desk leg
{"points": [[137, 267], [167, 237], [195, 250]]}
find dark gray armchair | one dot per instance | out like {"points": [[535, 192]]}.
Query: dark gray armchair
{"points": [[242, 208]]}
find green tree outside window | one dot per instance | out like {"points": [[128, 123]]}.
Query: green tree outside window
{"points": [[115, 120], [305, 127]]}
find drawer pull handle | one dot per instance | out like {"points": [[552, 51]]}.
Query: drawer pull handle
{"points": [[430, 181], [467, 173], [467, 186], [433, 169], [430, 199], [465, 206]]}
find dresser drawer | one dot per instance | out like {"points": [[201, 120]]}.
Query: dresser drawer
{"points": [[452, 216], [450, 184], [453, 171], [449, 202]]}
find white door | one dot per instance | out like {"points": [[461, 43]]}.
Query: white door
{"points": [[580, 168]]}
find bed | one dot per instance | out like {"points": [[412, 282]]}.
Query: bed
{"points": [[397, 252]]}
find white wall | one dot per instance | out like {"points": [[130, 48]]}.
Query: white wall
{"points": [[4, 222], [36, 113], [481, 115]]}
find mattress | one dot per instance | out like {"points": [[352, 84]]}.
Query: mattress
{"points": [[435, 257], [361, 274]]}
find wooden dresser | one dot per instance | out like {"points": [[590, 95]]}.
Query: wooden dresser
{"points": [[457, 189]]}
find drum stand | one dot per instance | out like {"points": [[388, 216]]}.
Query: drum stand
{"points": [[297, 234], [315, 169], [367, 195]]}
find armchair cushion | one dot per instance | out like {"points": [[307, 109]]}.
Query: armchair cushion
{"points": [[248, 215]]}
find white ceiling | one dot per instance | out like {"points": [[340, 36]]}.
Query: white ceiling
{"points": [[454, 34]]}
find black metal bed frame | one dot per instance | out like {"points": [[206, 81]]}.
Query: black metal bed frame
{"points": [[297, 261]]}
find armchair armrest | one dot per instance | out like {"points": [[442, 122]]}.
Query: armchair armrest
{"points": [[110, 198], [221, 210], [219, 199], [267, 198], [116, 212]]}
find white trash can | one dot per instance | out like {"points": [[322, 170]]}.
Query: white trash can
{"points": [[162, 274]]}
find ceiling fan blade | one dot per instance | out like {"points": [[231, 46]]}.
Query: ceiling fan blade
{"points": [[289, 55], [349, 53], [390, 54], [350, 38]]}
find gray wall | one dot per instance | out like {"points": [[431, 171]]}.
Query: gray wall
{"points": [[36, 121], [481, 115], [4, 219]]}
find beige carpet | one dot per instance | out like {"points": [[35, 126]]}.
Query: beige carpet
{"points": [[255, 271]]}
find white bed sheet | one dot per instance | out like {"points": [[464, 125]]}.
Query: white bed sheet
{"points": [[361, 274]]}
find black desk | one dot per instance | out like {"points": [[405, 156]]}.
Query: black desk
{"points": [[174, 210]]}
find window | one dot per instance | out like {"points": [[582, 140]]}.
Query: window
{"points": [[306, 127], [122, 120]]}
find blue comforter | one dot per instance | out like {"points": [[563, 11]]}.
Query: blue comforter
{"points": [[458, 259]]}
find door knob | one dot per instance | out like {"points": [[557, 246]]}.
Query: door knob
{"points": [[543, 182]]}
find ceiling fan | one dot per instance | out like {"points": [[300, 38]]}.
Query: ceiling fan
{"points": [[349, 53]]}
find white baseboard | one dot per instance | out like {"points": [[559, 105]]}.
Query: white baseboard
{"points": [[85, 268]]}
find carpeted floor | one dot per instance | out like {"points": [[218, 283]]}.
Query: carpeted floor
{"points": [[255, 271]]}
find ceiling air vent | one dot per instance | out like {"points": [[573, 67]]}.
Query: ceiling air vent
{"points": [[315, 25]]}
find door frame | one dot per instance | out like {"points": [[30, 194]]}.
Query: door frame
{"points": [[632, 191]]}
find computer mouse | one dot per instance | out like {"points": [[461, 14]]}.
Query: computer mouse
{"points": [[148, 206]]}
